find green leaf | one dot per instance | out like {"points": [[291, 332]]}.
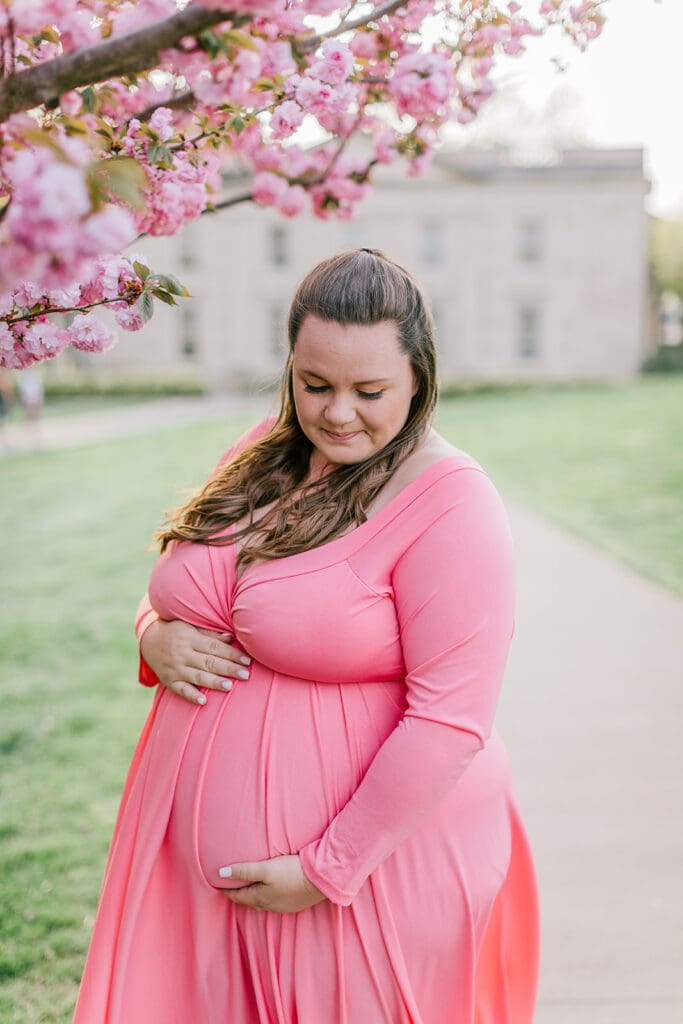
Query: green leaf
{"points": [[146, 306], [40, 137], [89, 100], [241, 39], [141, 270], [49, 34], [210, 43], [164, 296], [160, 156], [74, 125], [263, 85], [170, 284], [123, 177]]}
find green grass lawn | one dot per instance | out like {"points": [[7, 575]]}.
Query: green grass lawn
{"points": [[74, 405], [74, 529], [606, 462]]}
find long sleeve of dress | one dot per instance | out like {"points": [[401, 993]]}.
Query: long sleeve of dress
{"points": [[145, 614], [454, 597]]}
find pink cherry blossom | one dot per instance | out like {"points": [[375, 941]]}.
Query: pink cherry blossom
{"points": [[161, 122], [90, 334], [286, 119], [44, 340], [422, 84], [129, 318], [335, 64], [293, 201], [268, 188], [62, 232]]}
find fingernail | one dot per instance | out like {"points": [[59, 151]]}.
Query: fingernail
{"points": [[227, 684], [225, 872], [242, 673], [201, 699], [245, 659]]}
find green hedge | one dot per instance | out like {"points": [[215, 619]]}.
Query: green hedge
{"points": [[138, 387], [667, 359]]}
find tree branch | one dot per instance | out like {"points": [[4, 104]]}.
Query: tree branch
{"points": [[127, 55], [312, 42], [245, 197], [178, 102]]}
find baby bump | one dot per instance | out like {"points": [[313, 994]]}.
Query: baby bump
{"points": [[267, 766]]}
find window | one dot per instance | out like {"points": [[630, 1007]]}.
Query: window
{"points": [[278, 245], [433, 244], [277, 330], [188, 251], [531, 241], [188, 330], [529, 332], [437, 317]]}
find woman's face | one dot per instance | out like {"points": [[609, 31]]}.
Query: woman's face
{"points": [[352, 389]]}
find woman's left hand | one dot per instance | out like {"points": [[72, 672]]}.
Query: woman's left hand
{"points": [[277, 884]]}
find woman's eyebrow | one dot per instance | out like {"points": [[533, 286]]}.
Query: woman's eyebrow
{"points": [[357, 383]]}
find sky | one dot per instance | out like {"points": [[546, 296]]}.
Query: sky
{"points": [[626, 89]]}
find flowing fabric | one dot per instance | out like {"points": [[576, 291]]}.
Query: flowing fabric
{"points": [[363, 741]]}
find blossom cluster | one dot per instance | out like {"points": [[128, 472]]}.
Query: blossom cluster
{"points": [[38, 323], [82, 177]]}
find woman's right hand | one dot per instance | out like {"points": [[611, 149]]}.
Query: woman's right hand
{"points": [[185, 657]]}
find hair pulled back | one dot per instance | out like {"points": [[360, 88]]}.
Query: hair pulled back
{"points": [[358, 286]]}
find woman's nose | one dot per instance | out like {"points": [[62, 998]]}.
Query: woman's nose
{"points": [[340, 410]]}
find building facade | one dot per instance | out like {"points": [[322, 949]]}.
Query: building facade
{"points": [[534, 272]]}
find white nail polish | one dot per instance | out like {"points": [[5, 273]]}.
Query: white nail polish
{"points": [[225, 872]]}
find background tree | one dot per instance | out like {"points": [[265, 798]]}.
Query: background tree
{"points": [[116, 117]]}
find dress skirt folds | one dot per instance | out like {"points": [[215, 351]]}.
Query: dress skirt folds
{"points": [[363, 741]]}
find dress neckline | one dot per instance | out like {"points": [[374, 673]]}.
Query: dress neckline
{"points": [[341, 547]]}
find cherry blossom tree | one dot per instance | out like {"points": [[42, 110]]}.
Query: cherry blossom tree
{"points": [[117, 117]]}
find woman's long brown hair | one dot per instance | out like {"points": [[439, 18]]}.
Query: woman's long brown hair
{"points": [[360, 286]]}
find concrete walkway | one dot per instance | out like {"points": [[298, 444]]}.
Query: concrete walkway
{"points": [[157, 414], [592, 712]]}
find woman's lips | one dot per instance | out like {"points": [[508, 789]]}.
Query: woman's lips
{"points": [[341, 437]]}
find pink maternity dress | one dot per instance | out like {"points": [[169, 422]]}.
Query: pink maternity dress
{"points": [[363, 741]]}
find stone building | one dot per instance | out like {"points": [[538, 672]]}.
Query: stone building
{"points": [[533, 271]]}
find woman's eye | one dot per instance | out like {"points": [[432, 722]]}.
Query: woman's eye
{"points": [[371, 394], [315, 390]]}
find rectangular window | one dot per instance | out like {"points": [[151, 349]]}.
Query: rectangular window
{"points": [[437, 317], [277, 330], [433, 244], [278, 245], [188, 250], [188, 330], [531, 241], [529, 332]]}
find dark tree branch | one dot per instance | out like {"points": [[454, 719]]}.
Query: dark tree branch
{"points": [[136, 52], [244, 197], [127, 55], [312, 42], [180, 101]]}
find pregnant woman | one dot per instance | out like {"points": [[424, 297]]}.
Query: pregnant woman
{"points": [[333, 840]]}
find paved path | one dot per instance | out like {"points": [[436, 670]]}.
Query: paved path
{"points": [[157, 414], [592, 714]]}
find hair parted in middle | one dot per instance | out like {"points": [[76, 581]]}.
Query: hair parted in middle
{"points": [[357, 286]]}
